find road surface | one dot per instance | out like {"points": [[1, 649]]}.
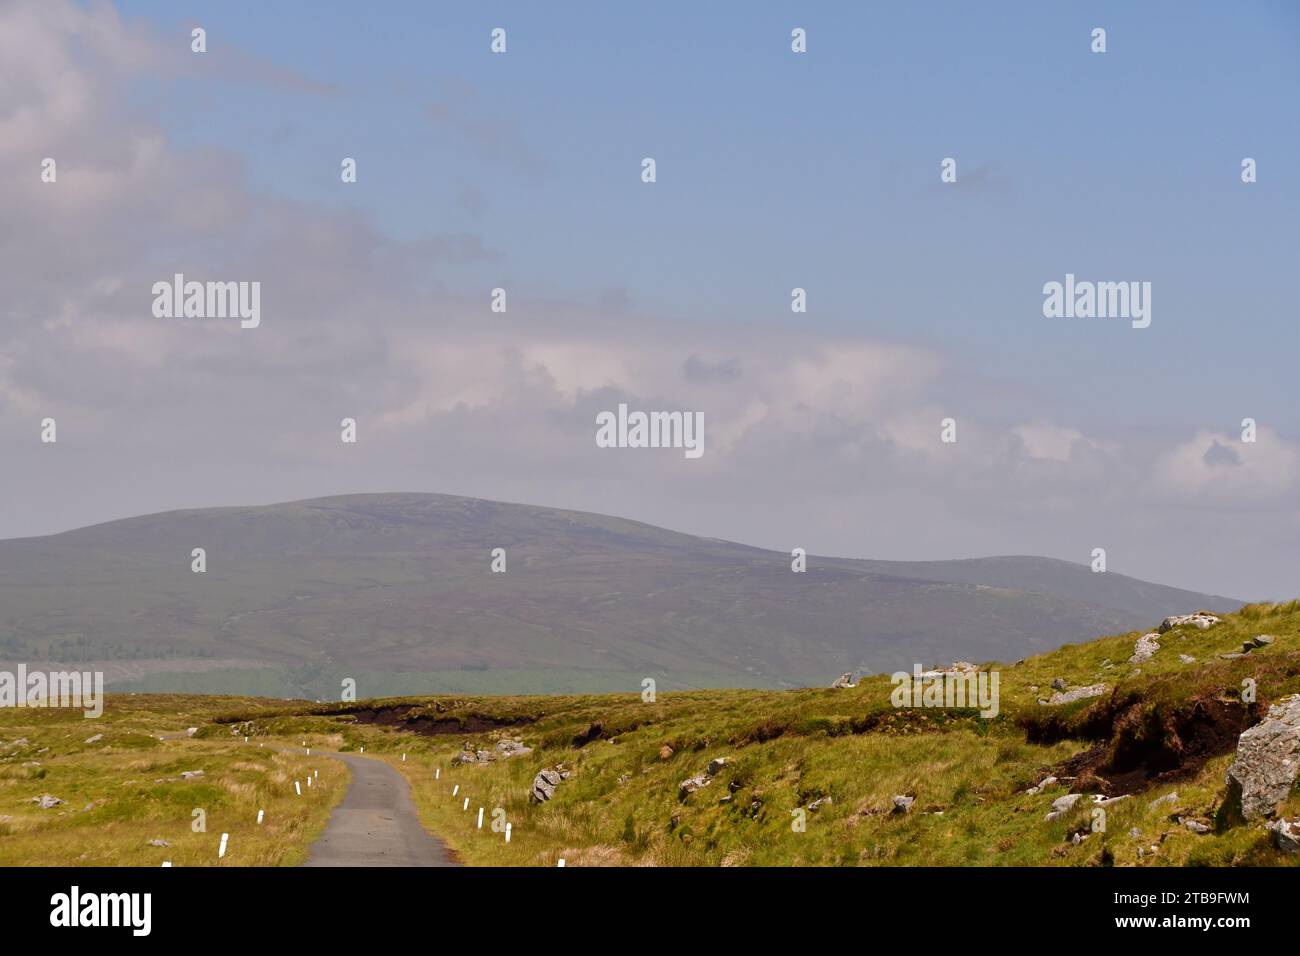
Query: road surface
{"points": [[376, 824]]}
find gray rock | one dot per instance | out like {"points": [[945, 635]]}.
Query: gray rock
{"points": [[818, 804], [191, 731], [46, 801], [512, 748], [1187, 658], [544, 785], [1200, 620], [1167, 798], [1196, 826], [1059, 684], [692, 784], [1286, 835], [95, 739], [716, 764], [1268, 761], [1263, 640], [903, 803], [159, 843], [191, 774], [844, 680], [1067, 802], [1041, 785], [1145, 648], [1079, 693], [1231, 657]]}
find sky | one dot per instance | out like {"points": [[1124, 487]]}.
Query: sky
{"points": [[774, 170]]}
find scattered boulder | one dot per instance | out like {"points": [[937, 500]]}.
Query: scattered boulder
{"points": [[1187, 658], [1263, 640], [1268, 761], [544, 785], [1196, 826], [716, 764], [1200, 620], [692, 784], [46, 801], [819, 803], [665, 752], [903, 803], [844, 680], [1059, 684], [472, 756], [95, 739], [191, 774], [191, 731], [1231, 657], [512, 748], [1167, 798], [624, 778], [1041, 785], [1145, 648], [159, 843], [1286, 835], [1063, 805], [1079, 693]]}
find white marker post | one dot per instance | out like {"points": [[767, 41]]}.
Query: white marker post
{"points": [[167, 862], [297, 788], [403, 758], [455, 790], [437, 774], [466, 806], [363, 749], [561, 863], [221, 850], [309, 783], [480, 818]]}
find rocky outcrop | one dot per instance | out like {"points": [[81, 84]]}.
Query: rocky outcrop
{"points": [[1145, 648], [1063, 805], [1268, 761], [46, 801], [903, 803], [1078, 693], [544, 784], [716, 764], [692, 784], [844, 680], [1286, 835], [1200, 620]]}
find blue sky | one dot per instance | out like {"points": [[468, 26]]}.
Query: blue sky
{"points": [[778, 170], [775, 170]]}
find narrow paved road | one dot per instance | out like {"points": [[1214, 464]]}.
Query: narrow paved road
{"points": [[376, 824]]}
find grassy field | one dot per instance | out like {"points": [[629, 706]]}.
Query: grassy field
{"points": [[125, 789], [809, 778], [1164, 729]]}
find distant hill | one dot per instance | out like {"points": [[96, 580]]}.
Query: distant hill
{"points": [[396, 591]]}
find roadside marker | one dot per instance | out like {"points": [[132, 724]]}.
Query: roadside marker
{"points": [[480, 818], [363, 749], [221, 851], [561, 863], [466, 806], [508, 826], [309, 781], [437, 774], [455, 790], [259, 816], [403, 758], [245, 740], [308, 751], [297, 788], [167, 862]]}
